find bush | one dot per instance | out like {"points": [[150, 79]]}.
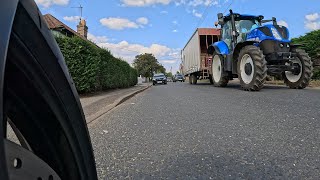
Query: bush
{"points": [[316, 74], [93, 68]]}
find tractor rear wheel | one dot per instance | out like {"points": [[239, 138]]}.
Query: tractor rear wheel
{"points": [[252, 68], [218, 77], [301, 80]]}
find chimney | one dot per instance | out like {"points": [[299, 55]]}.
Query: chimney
{"points": [[82, 28]]}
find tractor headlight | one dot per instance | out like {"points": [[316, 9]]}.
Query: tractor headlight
{"points": [[276, 34]]}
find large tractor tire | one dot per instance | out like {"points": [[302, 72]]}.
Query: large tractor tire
{"points": [[252, 68], [39, 101], [301, 80], [218, 77]]}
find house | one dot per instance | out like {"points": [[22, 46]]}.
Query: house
{"points": [[58, 28]]}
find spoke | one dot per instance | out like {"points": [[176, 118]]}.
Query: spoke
{"points": [[22, 140]]}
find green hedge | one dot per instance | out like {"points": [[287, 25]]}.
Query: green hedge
{"points": [[316, 74], [94, 69]]}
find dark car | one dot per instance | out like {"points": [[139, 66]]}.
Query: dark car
{"points": [[159, 79], [178, 77]]}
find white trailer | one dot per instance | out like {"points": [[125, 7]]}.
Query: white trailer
{"points": [[196, 63]]}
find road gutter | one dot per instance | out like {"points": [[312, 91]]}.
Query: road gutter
{"points": [[117, 102]]}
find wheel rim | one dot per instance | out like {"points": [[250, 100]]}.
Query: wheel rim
{"points": [[290, 76], [216, 68], [245, 71], [22, 163]]}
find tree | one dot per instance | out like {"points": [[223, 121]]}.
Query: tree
{"points": [[311, 43], [160, 69], [146, 64], [169, 74]]}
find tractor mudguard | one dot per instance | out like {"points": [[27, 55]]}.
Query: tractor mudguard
{"points": [[221, 48]]}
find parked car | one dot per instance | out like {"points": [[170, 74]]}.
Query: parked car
{"points": [[169, 79], [178, 77], [159, 79]]}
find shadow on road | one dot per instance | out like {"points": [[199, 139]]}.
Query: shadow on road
{"points": [[237, 86]]}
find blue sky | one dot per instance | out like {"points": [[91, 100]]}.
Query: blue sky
{"points": [[162, 27]]}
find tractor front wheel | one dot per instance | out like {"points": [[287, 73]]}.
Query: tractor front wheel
{"points": [[299, 80], [218, 77], [252, 68]]}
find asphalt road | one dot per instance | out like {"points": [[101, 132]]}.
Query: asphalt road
{"points": [[182, 131]]}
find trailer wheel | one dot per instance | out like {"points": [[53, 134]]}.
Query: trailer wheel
{"points": [[211, 80], [218, 77], [194, 79], [301, 80], [252, 68]]}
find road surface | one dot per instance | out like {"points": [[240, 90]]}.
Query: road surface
{"points": [[182, 131]]}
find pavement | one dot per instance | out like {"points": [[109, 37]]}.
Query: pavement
{"points": [[97, 104], [183, 131]]}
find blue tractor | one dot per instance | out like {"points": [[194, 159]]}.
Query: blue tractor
{"points": [[250, 51]]}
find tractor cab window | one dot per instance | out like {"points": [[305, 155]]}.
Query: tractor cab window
{"points": [[226, 33], [245, 26]]}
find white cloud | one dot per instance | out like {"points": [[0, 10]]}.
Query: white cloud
{"points": [[164, 12], [283, 23], [122, 23], [118, 23], [312, 21], [203, 2], [142, 20], [72, 18], [175, 31], [175, 22], [195, 3], [127, 51], [48, 3], [312, 25], [141, 3], [97, 39], [196, 14], [312, 17], [168, 61], [169, 57]]}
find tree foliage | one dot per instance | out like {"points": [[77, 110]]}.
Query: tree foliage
{"points": [[311, 43], [146, 64], [169, 74], [94, 69]]}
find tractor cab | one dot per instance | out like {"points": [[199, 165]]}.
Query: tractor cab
{"points": [[242, 25]]}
